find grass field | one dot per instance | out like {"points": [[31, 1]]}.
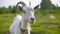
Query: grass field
{"points": [[42, 26]]}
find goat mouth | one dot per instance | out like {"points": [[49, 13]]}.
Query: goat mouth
{"points": [[32, 22]]}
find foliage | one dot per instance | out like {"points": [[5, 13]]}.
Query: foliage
{"points": [[10, 9], [2, 10], [46, 4]]}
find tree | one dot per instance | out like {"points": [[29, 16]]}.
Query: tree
{"points": [[2, 10], [9, 9], [46, 4], [14, 9]]}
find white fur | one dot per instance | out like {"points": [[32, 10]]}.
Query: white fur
{"points": [[14, 28]]}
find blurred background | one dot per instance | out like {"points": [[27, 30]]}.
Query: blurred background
{"points": [[47, 16]]}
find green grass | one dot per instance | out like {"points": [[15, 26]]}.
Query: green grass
{"points": [[37, 28], [5, 21]]}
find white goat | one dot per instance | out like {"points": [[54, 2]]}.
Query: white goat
{"points": [[51, 17], [21, 24]]}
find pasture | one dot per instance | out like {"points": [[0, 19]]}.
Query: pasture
{"points": [[42, 26]]}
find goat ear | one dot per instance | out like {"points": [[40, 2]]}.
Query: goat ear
{"points": [[20, 8], [36, 7]]}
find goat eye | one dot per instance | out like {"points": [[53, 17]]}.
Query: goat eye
{"points": [[20, 8]]}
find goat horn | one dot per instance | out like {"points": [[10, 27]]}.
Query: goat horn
{"points": [[21, 2], [29, 3]]}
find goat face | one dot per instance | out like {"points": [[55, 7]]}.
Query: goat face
{"points": [[28, 12]]}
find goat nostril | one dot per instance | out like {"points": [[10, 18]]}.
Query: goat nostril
{"points": [[32, 18]]}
